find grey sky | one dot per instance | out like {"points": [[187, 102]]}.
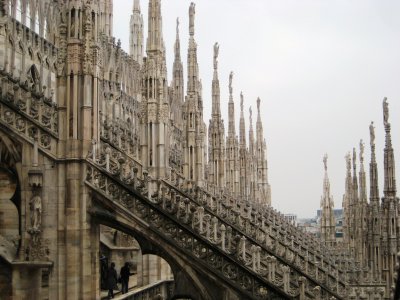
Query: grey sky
{"points": [[321, 69]]}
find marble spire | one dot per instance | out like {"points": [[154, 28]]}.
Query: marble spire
{"points": [[232, 145], [177, 84], [328, 223], [177, 43], [362, 179], [231, 109], [242, 125], [136, 33], [389, 164], [216, 101], [193, 67], [216, 131], [373, 170], [155, 42]]}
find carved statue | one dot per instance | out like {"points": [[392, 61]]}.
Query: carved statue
{"points": [[385, 111], [241, 101], [372, 133], [192, 12], [216, 51], [230, 82], [36, 211], [258, 104], [72, 28], [325, 160], [177, 26], [362, 151]]}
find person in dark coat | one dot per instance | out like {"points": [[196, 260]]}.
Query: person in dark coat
{"points": [[111, 280], [125, 273]]}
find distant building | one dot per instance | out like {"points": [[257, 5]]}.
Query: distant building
{"points": [[292, 218]]}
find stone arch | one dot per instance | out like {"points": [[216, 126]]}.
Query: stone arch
{"points": [[188, 283]]}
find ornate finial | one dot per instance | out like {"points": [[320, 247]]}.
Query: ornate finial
{"points": [[385, 111], [372, 133], [361, 151], [258, 104], [241, 101], [230, 82], [216, 51], [348, 161], [192, 12], [325, 160]]}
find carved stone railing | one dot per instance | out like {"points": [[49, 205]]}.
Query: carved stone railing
{"points": [[265, 243], [121, 136], [174, 220], [272, 231], [28, 112], [163, 288], [262, 228], [290, 271]]}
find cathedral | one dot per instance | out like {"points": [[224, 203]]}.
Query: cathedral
{"points": [[103, 158], [371, 229]]}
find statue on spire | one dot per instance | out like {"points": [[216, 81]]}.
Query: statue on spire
{"points": [[251, 115], [325, 160], [372, 133], [361, 151], [258, 104], [241, 101], [385, 111], [216, 51], [354, 158], [177, 26], [192, 12], [230, 82]]}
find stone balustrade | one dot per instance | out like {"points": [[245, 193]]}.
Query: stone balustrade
{"points": [[159, 290], [275, 235], [262, 249], [29, 102], [28, 112]]}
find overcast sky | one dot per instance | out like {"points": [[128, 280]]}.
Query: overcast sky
{"points": [[321, 69]]}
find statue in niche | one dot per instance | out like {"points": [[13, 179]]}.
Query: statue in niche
{"points": [[385, 111], [36, 212], [372, 133], [216, 52]]}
